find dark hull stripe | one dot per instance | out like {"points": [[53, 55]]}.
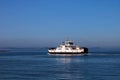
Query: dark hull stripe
{"points": [[65, 53]]}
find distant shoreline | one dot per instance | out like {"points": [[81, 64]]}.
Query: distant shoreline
{"points": [[4, 50]]}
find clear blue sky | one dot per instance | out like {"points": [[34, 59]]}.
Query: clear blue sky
{"points": [[37, 23]]}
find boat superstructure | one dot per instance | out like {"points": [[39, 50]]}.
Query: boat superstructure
{"points": [[68, 47]]}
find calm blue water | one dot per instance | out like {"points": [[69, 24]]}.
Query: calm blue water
{"points": [[38, 65]]}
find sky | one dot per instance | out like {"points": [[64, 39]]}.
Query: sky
{"points": [[45, 23]]}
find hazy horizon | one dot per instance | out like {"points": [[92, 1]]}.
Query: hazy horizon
{"points": [[36, 23]]}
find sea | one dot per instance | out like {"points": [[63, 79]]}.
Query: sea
{"points": [[37, 64]]}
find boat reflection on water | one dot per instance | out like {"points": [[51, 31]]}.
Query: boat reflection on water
{"points": [[71, 64], [69, 58], [64, 60]]}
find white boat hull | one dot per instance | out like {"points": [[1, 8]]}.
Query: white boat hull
{"points": [[68, 48]]}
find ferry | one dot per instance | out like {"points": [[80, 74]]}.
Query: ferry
{"points": [[68, 47]]}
